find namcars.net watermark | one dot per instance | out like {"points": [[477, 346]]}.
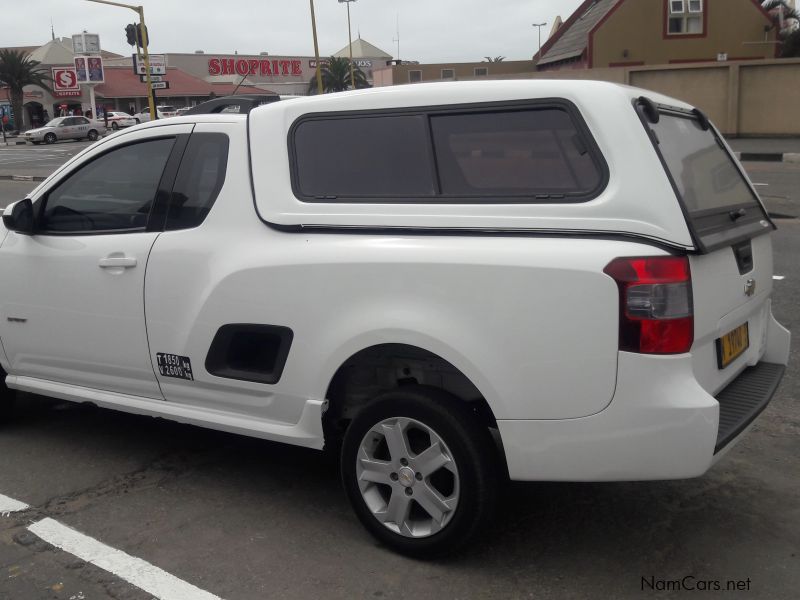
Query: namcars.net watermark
{"points": [[691, 583]]}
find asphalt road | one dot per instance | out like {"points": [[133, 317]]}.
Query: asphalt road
{"points": [[245, 519], [39, 160]]}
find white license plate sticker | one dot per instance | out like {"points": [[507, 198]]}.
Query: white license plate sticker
{"points": [[173, 365]]}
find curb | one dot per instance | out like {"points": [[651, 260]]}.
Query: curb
{"points": [[789, 157], [22, 177]]}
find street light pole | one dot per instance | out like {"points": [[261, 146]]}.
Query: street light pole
{"points": [[350, 39], [145, 42], [539, 28], [316, 48]]}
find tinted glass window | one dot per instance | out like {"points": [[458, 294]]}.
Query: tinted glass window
{"points": [[513, 153], [703, 172], [113, 192], [384, 156], [199, 180]]}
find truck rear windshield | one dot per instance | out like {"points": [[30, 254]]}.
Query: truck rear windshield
{"points": [[719, 203]]}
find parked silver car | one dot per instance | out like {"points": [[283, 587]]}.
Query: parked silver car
{"points": [[66, 128]]}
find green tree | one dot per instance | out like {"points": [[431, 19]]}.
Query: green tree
{"points": [[336, 77], [495, 59], [789, 37], [17, 71]]}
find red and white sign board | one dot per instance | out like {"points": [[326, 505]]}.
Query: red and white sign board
{"points": [[65, 82]]}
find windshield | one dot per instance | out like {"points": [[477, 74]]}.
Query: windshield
{"points": [[54, 122]]}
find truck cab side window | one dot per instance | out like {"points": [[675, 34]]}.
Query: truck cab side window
{"points": [[113, 192], [199, 180]]}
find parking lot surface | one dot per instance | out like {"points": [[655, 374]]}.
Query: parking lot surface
{"points": [[240, 518]]}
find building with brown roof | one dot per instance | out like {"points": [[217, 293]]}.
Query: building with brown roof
{"points": [[613, 33]]}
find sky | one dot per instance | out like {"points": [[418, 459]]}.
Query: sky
{"points": [[430, 30]]}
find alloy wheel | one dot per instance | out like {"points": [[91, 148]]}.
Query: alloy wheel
{"points": [[407, 477]]}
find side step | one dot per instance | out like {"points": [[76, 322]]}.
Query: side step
{"points": [[744, 399]]}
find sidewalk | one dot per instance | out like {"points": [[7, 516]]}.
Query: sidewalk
{"points": [[766, 149]]}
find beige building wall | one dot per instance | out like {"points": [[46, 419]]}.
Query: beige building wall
{"points": [[768, 98], [746, 98], [704, 87], [630, 34], [400, 74]]}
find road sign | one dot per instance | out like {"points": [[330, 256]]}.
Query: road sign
{"points": [[160, 85], [153, 78], [158, 64]]}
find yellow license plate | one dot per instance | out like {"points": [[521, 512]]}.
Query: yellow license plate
{"points": [[731, 345]]}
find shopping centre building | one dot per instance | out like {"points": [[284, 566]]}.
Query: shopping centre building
{"points": [[192, 78]]}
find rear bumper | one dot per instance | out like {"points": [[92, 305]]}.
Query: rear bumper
{"points": [[660, 425], [744, 399]]}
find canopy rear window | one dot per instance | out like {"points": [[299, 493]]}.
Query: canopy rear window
{"points": [[718, 201]]}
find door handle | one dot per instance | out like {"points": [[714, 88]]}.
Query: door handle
{"points": [[115, 262]]}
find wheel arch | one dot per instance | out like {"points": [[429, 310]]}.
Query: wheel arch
{"points": [[379, 367]]}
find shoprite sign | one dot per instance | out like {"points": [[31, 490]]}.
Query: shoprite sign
{"points": [[255, 66]]}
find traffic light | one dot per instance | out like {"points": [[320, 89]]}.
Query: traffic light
{"points": [[133, 32], [130, 33]]}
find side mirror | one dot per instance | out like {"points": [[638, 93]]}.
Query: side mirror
{"points": [[18, 217]]}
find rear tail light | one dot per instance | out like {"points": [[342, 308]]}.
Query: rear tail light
{"points": [[655, 294]]}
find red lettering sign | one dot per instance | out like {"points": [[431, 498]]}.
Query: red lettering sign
{"points": [[254, 66]]}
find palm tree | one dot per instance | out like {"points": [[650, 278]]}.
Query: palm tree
{"points": [[495, 59], [336, 77], [789, 37], [17, 71]]}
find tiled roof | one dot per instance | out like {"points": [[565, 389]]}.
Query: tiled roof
{"points": [[121, 82], [572, 38]]}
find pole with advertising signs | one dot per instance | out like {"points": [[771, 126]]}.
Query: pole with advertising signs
{"points": [[145, 42]]}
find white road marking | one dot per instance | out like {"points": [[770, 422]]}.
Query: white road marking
{"points": [[134, 570], [764, 184], [778, 277], [9, 505]]}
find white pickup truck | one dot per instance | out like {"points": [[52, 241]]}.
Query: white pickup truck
{"points": [[450, 283]]}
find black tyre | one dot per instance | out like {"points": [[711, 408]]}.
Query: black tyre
{"points": [[50, 138], [420, 470], [92, 135], [138, 121], [114, 126]]}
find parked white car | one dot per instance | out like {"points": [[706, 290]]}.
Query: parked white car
{"points": [[65, 128], [163, 112], [117, 119], [452, 282]]}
